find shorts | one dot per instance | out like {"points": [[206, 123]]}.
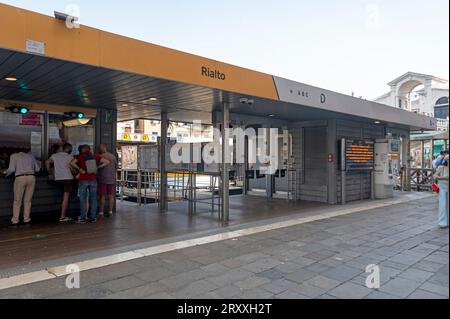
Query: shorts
{"points": [[66, 184], [106, 189]]}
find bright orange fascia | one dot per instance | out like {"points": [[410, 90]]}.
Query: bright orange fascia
{"points": [[99, 48]]}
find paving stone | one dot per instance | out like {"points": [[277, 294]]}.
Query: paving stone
{"points": [[289, 294], [380, 295], [303, 261], [194, 289], [254, 294], [324, 282], [208, 296], [272, 274], [184, 278], [228, 292], [230, 277], [327, 297], [84, 293], [308, 290], [123, 283], [422, 294], [262, 265], [155, 274], [278, 286], [405, 259], [427, 266], [342, 273], [252, 282], [317, 268], [436, 289], [140, 292], [417, 275], [400, 287], [215, 269], [301, 276], [438, 257], [350, 290], [160, 295]]}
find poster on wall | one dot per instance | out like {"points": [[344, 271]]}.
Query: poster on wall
{"points": [[31, 119], [9, 118], [36, 144], [129, 157]]}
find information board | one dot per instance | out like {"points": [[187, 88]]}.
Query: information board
{"points": [[359, 155]]}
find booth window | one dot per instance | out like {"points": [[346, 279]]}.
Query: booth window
{"points": [[74, 131], [20, 133]]}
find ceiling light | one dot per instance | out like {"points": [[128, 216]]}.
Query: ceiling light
{"points": [[151, 99], [124, 105], [272, 115], [11, 79], [377, 122], [76, 122]]}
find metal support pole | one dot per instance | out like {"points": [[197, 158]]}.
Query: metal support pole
{"points": [[246, 167], [343, 174], [162, 164], [225, 184], [332, 159], [407, 149]]}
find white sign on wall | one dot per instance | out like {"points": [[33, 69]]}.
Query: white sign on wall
{"points": [[35, 47]]}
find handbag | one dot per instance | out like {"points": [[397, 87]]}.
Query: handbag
{"points": [[436, 188]]}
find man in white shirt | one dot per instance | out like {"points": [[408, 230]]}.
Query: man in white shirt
{"points": [[25, 167], [63, 176]]}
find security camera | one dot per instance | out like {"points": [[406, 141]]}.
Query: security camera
{"points": [[243, 100], [251, 102]]}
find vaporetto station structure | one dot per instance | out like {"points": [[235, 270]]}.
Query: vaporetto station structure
{"points": [[53, 71]]}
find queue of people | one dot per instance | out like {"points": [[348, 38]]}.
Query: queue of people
{"points": [[95, 173]]}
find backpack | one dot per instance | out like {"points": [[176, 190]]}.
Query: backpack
{"points": [[91, 164]]}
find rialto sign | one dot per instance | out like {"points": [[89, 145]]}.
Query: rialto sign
{"points": [[213, 74]]}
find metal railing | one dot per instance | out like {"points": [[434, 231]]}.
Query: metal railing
{"points": [[144, 187], [421, 179]]}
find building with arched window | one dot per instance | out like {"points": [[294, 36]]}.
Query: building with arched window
{"points": [[421, 94]]}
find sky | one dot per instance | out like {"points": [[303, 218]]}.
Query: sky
{"points": [[349, 46]]}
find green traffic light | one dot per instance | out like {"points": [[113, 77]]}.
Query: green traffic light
{"points": [[24, 110], [80, 115]]}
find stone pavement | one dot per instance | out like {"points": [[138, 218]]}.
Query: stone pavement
{"points": [[321, 259]]}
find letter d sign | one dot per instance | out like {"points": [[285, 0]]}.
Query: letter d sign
{"points": [[373, 279]]}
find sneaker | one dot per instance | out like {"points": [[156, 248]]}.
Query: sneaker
{"points": [[101, 215], [65, 220], [25, 225], [110, 214], [82, 221], [13, 226], [92, 220]]}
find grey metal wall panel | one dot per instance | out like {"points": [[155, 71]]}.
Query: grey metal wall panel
{"points": [[358, 184]]}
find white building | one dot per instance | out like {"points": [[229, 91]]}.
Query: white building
{"points": [[422, 94]]}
